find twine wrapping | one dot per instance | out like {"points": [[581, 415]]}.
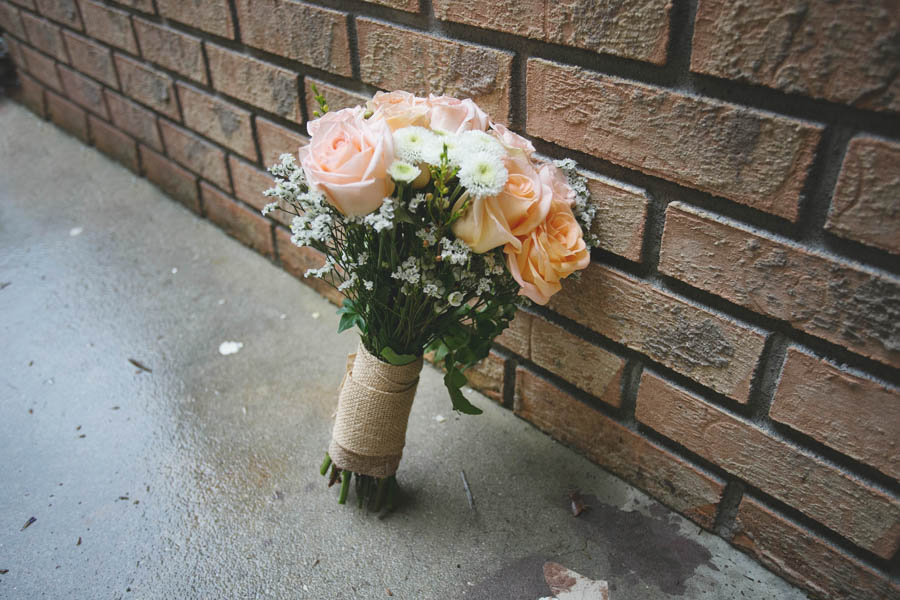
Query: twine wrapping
{"points": [[373, 410]]}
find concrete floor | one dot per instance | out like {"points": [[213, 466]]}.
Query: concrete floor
{"points": [[199, 480]]}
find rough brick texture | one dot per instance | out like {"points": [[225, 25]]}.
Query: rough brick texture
{"points": [[866, 203], [625, 453], [110, 25], [829, 298], [114, 143], [45, 36], [218, 120], [312, 35], [68, 116], [861, 513], [261, 84], [395, 58], [840, 51], [63, 11], [213, 16], [134, 119], [196, 154], [249, 227], [755, 158], [804, 559], [175, 181], [637, 29], [714, 350], [854, 415], [171, 49], [744, 271], [91, 58]]}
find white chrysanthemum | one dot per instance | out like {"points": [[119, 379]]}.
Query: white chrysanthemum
{"points": [[417, 144], [483, 174], [473, 142], [403, 172]]}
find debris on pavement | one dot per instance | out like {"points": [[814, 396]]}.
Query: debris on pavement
{"points": [[578, 505], [78, 543], [139, 365], [566, 584], [468, 491], [76, 231], [226, 348], [440, 418], [316, 315], [5, 284], [28, 523]]}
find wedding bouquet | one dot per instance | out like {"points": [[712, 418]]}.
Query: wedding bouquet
{"points": [[435, 222]]}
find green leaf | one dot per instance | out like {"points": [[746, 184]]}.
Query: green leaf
{"points": [[348, 320], [392, 357], [460, 403]]}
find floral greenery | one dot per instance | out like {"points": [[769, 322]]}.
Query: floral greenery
{"points": [[410, 286]]}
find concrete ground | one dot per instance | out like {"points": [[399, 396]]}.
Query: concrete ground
{"points": [[199, 479]]}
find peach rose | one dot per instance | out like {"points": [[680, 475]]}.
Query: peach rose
{"points": [[553, 176], [493, 221], [512, 141], [552, 251], [347, 160], [399, 110], [452, 115]]}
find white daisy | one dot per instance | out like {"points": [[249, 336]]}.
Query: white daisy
{"points": [[483, 174]]}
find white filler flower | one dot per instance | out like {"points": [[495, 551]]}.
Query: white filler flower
{"points": [[403, 172], [483, 174]]}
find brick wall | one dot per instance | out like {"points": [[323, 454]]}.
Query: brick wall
{"points": [[734, 347]]}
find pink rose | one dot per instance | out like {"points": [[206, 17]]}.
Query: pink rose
{"points": [[553, 177], [552, 251], [452, 115], [347, 160], [513, 213], [512, 141], [399, 109]]}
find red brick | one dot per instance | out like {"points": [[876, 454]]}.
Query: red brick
{"points": [[68, 116], [43, 68], [337, 98], [707, 347], [218, 120], [171, 49], [61, 11], [45, 36], [864, 515], [114, 143], [172, 179], [752, 157], [852, 414], [213, 16], [11, 20], [586, 366], [488, 376], [15, 53], [147, 86], [637, 29], [109, 25], [91, 58], [31, 94], [249, 185], [275, 140], [196, 154], [309, 34], [663, 475], [256, 82], [84, 91], [517, 337], [407, 5], [394, 58], [844, 52], [297, 261], [621, 215], [804, 559], [25, 3], [134, 119], [141, 5], [247, 226], [832, 299], [865, 206]]}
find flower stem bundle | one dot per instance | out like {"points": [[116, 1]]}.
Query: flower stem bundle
{"points": [[435, 223]]}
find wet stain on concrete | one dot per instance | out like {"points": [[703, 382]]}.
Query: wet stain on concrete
{"points": [[648, 547], [519, 580]]}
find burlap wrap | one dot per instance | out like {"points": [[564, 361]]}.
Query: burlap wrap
{"points": [[373, 409]]}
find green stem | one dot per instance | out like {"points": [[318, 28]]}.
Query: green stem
{"points": [[379, 495], [325, 464], [345, 487]]}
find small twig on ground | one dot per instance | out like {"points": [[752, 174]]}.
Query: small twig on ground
{"points": [[139, 365], [468, 491]]}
